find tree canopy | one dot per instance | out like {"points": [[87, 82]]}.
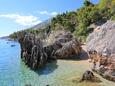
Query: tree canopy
{"points": [[78, 21]]}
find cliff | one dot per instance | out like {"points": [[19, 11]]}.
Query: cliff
{"points": [[101, 49]]}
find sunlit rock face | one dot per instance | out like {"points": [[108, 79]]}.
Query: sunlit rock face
{"points": [[35, 53], [68, 49], [61, 35], [101, 49], [64, 44]]}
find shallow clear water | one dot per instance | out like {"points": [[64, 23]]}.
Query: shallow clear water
{"points": [[13, 72]]}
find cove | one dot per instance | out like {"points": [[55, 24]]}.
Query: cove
{"points": [[13, 72]]}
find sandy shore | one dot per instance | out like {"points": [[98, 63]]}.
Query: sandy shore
{"points": [[83, 65]]}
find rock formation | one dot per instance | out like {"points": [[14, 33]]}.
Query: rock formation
{"points": [[63, 44], [32, 51], [101, 49], [87, 75], [59, 36], [36, 53], [70, 48]]}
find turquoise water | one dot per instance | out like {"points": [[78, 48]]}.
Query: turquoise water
{"points": [[13, 72]]}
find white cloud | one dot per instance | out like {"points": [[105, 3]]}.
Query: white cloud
{"points": [[48, 13], [44, 12], [22, 20], [54, 13]]}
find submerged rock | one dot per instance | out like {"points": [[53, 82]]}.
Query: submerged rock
{"points": [[13, 45], [28, 85], [101, 49]]}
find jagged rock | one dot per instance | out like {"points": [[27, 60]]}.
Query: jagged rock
{"points": [[35, 53], [87, 75], [32, 51], [55, 41], [59, 36], [70, 48], [62, 44], [101, 48], [108, 74]]}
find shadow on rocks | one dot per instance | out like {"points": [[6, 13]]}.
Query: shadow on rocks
{"points": [[83, 55]]}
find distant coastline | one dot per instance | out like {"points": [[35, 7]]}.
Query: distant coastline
{"points": [[4, 37], [7, 38]]}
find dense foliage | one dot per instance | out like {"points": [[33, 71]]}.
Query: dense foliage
{"points": [[78, 21], [66, 21]]}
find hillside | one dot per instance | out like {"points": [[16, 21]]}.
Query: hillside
{"points": [[42, 24], [36, 29], [77, 22]]}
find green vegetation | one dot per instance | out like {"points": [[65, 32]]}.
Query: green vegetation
{"points": [[65, 21], [41, 32], [13, 35], [78, 21]]}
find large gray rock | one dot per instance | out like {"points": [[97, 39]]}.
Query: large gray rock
{"points": [[60, 36], [101, 47], [70, 48], [102, 39], [36, 53], [63, 44], [32, 51]]}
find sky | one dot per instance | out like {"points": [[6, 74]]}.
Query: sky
{"points": [[16, 15]]}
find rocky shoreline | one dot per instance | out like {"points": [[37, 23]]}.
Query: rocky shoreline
{"points": [[35, 54], [101, 49], [62, 45]]}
